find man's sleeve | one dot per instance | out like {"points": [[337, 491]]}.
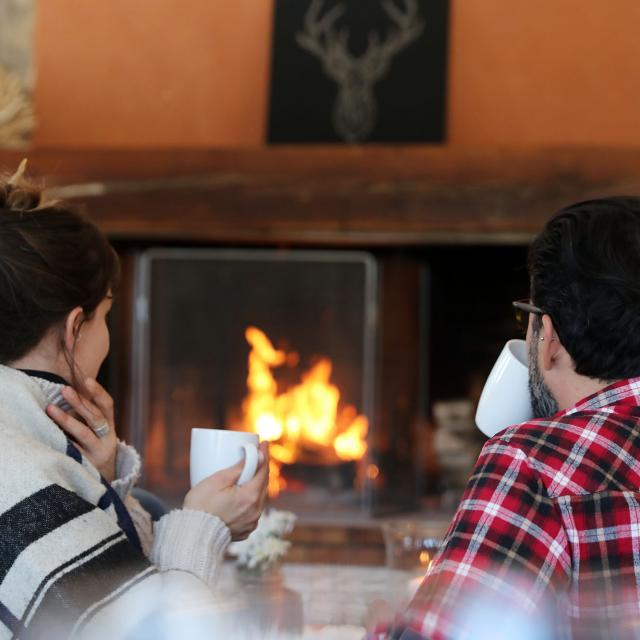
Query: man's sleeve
{"points": [[505, 551]]}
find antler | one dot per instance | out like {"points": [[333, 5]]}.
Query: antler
{"points": [[377, 58], [320, 38], [409, 25]]}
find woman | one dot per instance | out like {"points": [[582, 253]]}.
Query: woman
{"points": [[78, 555]]}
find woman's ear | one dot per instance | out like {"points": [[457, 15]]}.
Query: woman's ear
{"points": [[72, 327]]}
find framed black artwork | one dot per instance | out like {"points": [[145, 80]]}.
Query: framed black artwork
{"points": [[358, 71]]}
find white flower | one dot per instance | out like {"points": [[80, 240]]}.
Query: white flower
{"points": [[276, 523], [264, 546]]}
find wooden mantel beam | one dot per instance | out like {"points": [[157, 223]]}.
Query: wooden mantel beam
{"points": [[356, 196]]}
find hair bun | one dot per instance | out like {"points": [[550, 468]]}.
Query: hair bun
{"points": [[17, 194], [19, 197]]}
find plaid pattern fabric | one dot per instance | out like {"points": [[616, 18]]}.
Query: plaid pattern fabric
{"points": [[548, 527]]}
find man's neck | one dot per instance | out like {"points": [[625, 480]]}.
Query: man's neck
{"points": [[577, 388]]}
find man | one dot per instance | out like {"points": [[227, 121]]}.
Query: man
{"points": [[547, 535]]}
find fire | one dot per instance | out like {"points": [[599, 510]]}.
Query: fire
{"points": [[304, 422]]}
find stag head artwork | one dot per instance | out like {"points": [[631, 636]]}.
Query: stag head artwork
{"points": [[355, 111]]}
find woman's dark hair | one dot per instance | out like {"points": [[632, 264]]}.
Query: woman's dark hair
{"points": [[52, 260], [585, 273]]}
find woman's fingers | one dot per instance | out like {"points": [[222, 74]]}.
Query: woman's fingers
{"points": [[100, 451], [83, 407], [258, 485], [80, 432], [101, 398], [91, 410]]}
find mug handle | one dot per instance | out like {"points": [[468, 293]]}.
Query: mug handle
{"points": [[250, 462]]}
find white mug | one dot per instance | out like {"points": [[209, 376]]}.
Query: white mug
{"points": [[505, 399], [216, 449]]}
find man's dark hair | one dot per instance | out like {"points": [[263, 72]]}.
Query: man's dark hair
{"points": [[585, 273]]}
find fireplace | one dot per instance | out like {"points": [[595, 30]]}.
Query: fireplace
{"points": [[282, 343], [228, 338], [446, 230]]}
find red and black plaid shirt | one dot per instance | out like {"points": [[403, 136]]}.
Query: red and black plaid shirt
{"points": [[549, 525]]}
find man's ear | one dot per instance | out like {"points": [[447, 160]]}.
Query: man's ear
{"points": [[72, 327], [549, 347]]}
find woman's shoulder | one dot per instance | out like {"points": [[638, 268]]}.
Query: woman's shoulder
{"points": [[30, 465], [34, 453], [22, 409]]}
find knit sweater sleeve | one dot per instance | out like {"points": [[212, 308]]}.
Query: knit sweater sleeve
{"points": [[183, 539], [176, 602], [192, 541], [186, 540], [128, 468]]}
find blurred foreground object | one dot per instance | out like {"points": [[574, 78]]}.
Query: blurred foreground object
{"points": [[411, 545], [17, 119]]}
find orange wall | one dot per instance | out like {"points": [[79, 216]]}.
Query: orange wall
{"points": [[171, 73], [151, 72], [546, 72]]}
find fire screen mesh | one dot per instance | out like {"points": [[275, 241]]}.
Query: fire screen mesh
{"points": [[281, 343]]}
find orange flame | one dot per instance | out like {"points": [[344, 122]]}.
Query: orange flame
{"points": [[303, 421]]}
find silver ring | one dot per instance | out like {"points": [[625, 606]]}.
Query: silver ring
{"points": [[101, 430]]}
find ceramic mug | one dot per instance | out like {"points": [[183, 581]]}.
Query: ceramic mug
{"points": [[505, 399], [216, 449]]}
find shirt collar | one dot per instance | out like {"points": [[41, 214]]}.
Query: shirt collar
{"points": [[621, 392], [45, 375]]}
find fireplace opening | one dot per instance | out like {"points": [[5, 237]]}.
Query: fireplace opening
{"points": [[410, 336], [282, 343]]}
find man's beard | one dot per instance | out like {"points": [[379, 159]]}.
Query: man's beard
{"points": [[543, 404]]}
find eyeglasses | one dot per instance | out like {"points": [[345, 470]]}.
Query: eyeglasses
{"points": [[522, 309]]}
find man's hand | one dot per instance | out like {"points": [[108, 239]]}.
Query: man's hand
{"points": [[239, 507]]}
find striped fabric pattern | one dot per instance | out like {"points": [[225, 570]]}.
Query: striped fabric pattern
{"points": [[44, 580], [65, 551], [549, 526]]}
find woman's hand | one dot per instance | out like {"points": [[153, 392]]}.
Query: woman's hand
{"points": [[239, 507], [96, 410]]}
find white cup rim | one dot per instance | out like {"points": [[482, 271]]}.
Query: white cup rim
{"points": [[518, 349], [220, 429], [226, 432]]}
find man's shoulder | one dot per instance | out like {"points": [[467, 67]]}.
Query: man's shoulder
{"points": [[526, 435], [534, 429], [525, 441], [589, 449], [564, 430], [544, 442]]}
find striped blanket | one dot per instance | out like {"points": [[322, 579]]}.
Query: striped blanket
{"points": [[68, 548]]}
